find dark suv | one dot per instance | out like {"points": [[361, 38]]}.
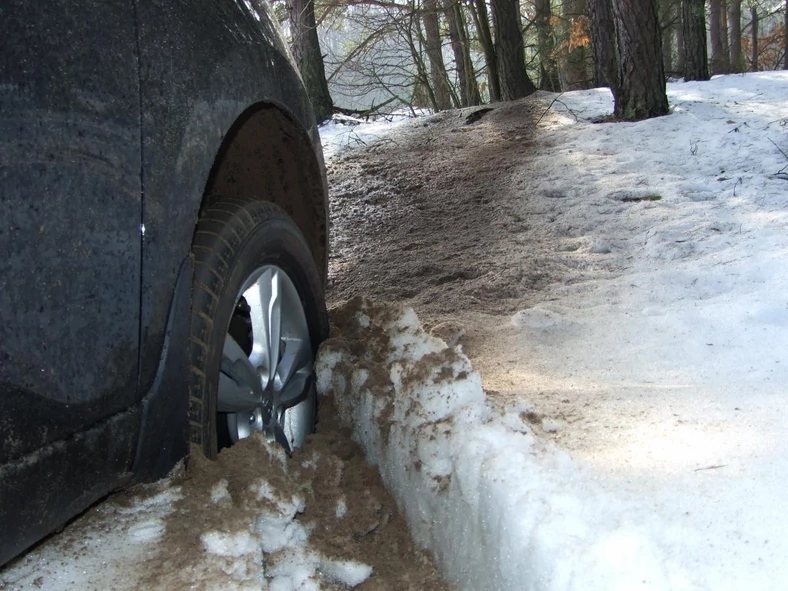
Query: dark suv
{"points": [[163, 245]]}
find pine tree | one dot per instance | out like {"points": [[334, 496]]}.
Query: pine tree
{"points": [[309, 59], [628, 50], [510, 51], [693, 18]]}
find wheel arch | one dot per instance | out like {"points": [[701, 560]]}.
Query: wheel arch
{"points": [[267, 155]]}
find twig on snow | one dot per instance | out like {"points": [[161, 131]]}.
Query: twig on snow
{"points": [[736, 184], [550, 106], [781, 152], [714, 467], [783, 122]]}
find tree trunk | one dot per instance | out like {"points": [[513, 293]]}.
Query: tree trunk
{"points": [[628, 53], [680, 46], [603, 35], [509, 50], [666, 25], [308, 57], [422, 91], [548, 69], [694, 27], [726, 48], [785, 38], [734, 21], [754, 29], [641, 81], [458, 33], [478, 10], [573, 67], [438, 80], [715, 36]]}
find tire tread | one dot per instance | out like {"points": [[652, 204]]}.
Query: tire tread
{"points": [[219, 236]]}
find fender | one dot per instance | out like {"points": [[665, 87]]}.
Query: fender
{"points": [[206, 69]]}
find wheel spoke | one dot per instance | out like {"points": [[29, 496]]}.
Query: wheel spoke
{"points": [[264, 301], [256, 297], [239, 384], [295, 390], [297, 356], [274, 309]]}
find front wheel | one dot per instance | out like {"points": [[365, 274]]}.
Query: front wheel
{"points": [[258, 316]]}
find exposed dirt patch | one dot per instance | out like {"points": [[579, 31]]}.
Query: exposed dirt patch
{"points": [[439, 216], [452, 217]]}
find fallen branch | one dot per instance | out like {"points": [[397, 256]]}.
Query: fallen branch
{"points": [[364, 113], [550, 106]]}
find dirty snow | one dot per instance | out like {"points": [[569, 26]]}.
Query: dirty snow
{"points": [[253, 519], [633, 432], [345, 132]]}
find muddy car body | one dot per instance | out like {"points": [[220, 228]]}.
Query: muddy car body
{"points": [[123, 124]]}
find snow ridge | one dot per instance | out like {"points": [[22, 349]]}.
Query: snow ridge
{"points": [[499, 508]]}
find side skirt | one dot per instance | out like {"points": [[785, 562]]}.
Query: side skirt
{"points": [[46, 488]]}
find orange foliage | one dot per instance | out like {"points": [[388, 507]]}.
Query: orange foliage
{"points": [[579, 33], [770, 49]]}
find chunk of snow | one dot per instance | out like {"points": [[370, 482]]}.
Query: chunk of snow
{"points": [[550, 425], [219, 492], [146, 531], [536, 318], [227, 544], [341, 510], [345, 572], [277, 532]]}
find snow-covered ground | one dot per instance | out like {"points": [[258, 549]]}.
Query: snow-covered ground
{"points": [[645, 445], [345, 132], [667, 348]]}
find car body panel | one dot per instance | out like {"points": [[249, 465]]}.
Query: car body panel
{"points": [[69, 272], [113, 116]]}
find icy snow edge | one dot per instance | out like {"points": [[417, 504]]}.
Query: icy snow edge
{"points": [[498, 507]]}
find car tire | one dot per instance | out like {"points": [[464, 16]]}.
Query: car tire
{"points": [[258, 315]]}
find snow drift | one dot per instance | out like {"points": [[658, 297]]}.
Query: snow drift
{"points": [[499, 508]]}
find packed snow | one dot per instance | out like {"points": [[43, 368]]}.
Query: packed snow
{"points": [[667, 345]]}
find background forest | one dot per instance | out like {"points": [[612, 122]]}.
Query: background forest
{"points": [[374, 56]]}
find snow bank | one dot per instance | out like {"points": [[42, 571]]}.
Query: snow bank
{"points": [[499, 508], [343, 132]]}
